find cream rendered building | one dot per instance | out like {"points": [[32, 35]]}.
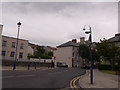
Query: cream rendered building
{"points": [[9, 49], [1, 28], [68, 53]]}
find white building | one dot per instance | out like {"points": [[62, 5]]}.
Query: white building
{"points": [[1, 28], [68, 53], [9, 49]]}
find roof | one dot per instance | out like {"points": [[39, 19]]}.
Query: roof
{"points": [[67, 44], [14, 38], [53, 48], [115, 39]]}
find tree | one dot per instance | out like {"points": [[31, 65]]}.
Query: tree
{"points": [[50, 53], [41, 53], [84, 51], [95, 56], [29, 56], [108, 50]]}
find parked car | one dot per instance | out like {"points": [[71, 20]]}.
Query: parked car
{"points": [[62, 64]]}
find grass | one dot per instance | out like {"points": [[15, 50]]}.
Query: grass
{"points": [[108, 71]]}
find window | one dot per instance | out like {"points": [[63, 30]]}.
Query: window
{"points": [[3, 53], [73, 54], [4, 43], [13, 44], [20, 55], [21, 46], [12, 54]]}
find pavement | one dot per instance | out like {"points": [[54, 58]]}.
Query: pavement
{"points": [[101, 80]]}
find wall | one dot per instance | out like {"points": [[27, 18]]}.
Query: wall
{"points": [[30, 50], [8, 48], [64, 54], [1, 27]]}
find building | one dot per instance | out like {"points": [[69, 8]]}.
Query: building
{"points": [[116, 39], [9, 49], [68, 53], [1, 28]]}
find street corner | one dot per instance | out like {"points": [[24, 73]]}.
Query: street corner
{"points": [[74, 83]]}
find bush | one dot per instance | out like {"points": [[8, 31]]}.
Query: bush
{"points": [[104, 67], [107, 67]]}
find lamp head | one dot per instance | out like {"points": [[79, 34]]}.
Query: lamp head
{"points": [[18, 23], [87, 32]]}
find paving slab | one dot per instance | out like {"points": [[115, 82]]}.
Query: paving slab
{"points": [[101, 80]]}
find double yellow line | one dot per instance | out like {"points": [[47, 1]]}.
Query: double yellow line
{"points": [[72, 83]]}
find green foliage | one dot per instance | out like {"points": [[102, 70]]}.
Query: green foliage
{"points": [[46, 56], [50, 53], [84, 51], [40, 53], [107, 67], [104, 67], [29, 56], [108, 50], [95, 56]]}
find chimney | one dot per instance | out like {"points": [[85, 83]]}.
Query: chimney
{"points": [[74, 40], [82, 39]]}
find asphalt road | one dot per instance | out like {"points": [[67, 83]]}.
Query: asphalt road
{"points": [[54, 78]]}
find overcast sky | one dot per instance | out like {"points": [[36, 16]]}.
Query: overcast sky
{"points": [[53, 23]]}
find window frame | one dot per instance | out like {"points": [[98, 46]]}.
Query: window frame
{"points": [[4, 53], [4, 43], [12, 54]]}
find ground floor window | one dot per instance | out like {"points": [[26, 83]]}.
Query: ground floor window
{"points": [[3, 53], [21, 55], [12, 54]]}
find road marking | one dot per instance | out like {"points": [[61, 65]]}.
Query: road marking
{"points": [[17, 76], [58, 72], [72, 83]]}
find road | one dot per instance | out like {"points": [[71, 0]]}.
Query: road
{"points": [[54, 78]]}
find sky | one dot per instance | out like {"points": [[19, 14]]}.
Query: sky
{"points": [[54, 23]]}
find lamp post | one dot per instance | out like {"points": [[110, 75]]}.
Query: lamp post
{"points": [[91, 61], [14, 65]]}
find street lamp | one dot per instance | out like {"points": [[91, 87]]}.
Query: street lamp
{"points": [[14, 65], [91, 62]]}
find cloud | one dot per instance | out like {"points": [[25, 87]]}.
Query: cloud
{"points": [[53, 23]]}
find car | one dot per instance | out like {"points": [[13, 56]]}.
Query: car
{"points": [[62, 64]]}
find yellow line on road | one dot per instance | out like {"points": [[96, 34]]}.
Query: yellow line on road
{"points": [[72, 83]]}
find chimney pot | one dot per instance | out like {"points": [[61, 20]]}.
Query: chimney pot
{"points": [[74, 40]]}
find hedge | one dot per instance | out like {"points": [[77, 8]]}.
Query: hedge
{"points": [[107, 67]]}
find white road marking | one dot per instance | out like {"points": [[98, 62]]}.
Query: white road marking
{"points": [[58, 72], [17, 76]]}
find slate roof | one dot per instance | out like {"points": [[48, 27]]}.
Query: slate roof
{"points": [[67, 44], [115, 39]]}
